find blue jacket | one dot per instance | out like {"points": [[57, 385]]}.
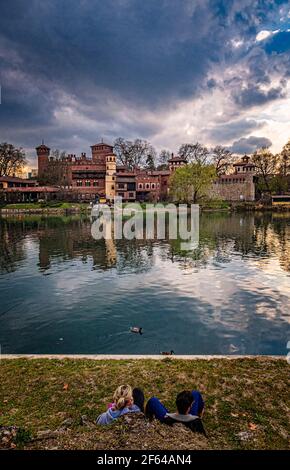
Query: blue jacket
{"points": [[111, 415]]}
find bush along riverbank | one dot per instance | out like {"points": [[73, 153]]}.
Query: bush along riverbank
{"points": [[53, 404]]}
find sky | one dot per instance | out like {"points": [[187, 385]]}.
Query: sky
{"points": [[73, 72]]}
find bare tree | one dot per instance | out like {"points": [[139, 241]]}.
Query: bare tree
{"points": [[163, 158], [12, 159], [134, 153], [221, 158], [267, 165], [195, 153], [285, 159]]}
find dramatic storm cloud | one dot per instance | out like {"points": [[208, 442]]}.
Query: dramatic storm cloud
{"points": [[250, 144], [168, 71]]}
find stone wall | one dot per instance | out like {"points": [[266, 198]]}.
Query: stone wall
{"points": [[233, 190]]}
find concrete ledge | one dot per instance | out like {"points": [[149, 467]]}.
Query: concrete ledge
{"points": [[101, 357]]}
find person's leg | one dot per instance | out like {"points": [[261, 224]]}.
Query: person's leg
{"points": [[197, 408], [138, 397], [155, 408]]}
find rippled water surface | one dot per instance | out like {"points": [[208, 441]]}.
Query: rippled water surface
{"points": [[63, 292]]}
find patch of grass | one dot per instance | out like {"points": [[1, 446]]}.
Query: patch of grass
{"points": [[244, 397], [47, 205], [31, 205], [22, 438], [214, 204]]}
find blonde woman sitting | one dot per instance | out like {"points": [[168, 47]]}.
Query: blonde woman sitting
{"points": [[126, 401]]}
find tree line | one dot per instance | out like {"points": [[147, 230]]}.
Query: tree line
{"points": [[140, 153]]}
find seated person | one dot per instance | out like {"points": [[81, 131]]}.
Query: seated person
{"points": [[190, 408], [126, 401]]}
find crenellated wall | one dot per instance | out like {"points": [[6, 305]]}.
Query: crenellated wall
{"points": [[233, 189]]}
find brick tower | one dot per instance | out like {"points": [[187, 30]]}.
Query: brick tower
{"points": [[43, 159], [100, 151]]}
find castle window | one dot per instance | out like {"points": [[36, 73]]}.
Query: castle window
{"points": [[140, 186], [131, 194], [112, 187], [121, 185], [88, 183], [153, 186], [95, 183], [147, 186], [79, 183]]}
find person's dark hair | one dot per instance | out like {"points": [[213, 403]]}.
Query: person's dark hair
{"points": [[184, 401], [138, 397]]}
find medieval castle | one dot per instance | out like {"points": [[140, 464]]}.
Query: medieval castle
{"points": [[87, 179], [101, 176]]}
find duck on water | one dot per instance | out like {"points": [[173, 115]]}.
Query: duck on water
{"points": [[136, 329]]}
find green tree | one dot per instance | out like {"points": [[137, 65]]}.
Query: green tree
{"points": [[278, 184], [191, 183], [12, 159], [150, 163]]}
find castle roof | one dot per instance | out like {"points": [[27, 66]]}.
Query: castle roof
{"points": [[244, 164], [33, 189], [177, 159], [15, 179], [101, 144], [42, 146]]}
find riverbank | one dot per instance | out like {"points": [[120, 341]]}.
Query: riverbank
{"points": [[66, 208], [62, 208], [55, 402]]}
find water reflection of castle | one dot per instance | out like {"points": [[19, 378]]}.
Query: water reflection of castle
{"points": [[77, 242], [60, 240]]}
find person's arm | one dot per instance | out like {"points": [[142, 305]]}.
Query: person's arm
{"points": [[104, 418]]}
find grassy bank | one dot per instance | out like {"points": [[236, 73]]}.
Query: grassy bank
{"points": [[247, 402], [207, 206], [46, 207]]}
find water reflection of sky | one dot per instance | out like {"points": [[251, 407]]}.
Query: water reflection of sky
{"points": [[225, 300]]}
